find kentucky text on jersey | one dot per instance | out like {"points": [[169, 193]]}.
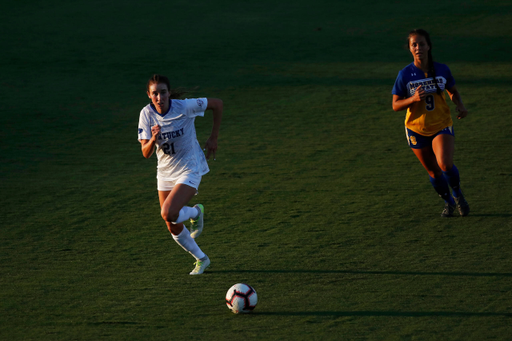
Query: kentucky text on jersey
{"points": [[171, 134], [427, 84]]}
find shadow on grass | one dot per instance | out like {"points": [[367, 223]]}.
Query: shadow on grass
{"points": [[361, 272], [386, 313]]}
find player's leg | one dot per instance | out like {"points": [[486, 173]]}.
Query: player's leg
{"points": [[444, 147], [422, 148], [428, 160], [173, 228], [174, 207], [437, 179], [196, 213], [170, 202]]}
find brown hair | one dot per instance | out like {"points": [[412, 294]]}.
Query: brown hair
{"points": [[160, 79]]}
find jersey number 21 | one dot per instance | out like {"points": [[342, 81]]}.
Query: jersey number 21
{"points": [[168, 149]]}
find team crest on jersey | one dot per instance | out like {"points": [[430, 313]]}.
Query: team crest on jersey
{"points": [[413, 140], [427, 84], [200, 102]]}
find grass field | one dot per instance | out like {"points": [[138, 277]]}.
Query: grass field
{"points": [[314, 199]]}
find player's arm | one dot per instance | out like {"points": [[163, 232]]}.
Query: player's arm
{"points": [[148, 146], [402, 103], [216, 106], [455, 97]]}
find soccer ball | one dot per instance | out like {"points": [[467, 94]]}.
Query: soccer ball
{"points": [[241, 298]]}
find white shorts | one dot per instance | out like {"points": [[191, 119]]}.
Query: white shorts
{"points": [[189, 179]]}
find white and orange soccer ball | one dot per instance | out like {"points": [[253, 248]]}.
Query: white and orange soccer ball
{"points": [[241, 298]]}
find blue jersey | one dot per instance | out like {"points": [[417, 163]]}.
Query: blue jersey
{"points": [[432, 114]]}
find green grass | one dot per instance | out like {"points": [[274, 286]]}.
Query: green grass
{"points": [[314, 199]]}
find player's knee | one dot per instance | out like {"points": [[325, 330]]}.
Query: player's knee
{"points": [[445, 165], [435, 173], [170, 215], [175, 229]]}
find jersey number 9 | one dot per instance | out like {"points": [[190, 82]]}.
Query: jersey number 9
{"points": [[429, 100]]}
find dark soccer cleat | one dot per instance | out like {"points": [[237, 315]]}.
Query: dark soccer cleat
{"points": [[462, 205], [448, 210]]}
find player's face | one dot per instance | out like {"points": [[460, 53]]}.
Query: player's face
{"points": [[419, 47], [159, 95]]}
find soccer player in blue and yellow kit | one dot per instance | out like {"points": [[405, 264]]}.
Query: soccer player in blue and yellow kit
{"points": [[419, 89]]}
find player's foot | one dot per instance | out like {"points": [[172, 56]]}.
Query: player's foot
{"points": [[196, 225], [201, 265], [462, 205], [448, 210]]}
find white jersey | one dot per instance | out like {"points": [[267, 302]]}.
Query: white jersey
{"points": [[177, 148]]}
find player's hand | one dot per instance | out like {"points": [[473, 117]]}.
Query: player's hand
{"points": [[155, 131], [419, 94], [210, 148], [461, 112]]}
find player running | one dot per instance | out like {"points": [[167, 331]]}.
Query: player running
{"points": [[167, 124], [419, 88]]}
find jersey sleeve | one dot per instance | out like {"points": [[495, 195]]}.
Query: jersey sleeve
{"points": [[195, 106], [144, 126], [450, 81], [400, 88]]}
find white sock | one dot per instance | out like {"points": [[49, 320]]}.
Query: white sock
{"points": [[186, 213], [188, 243]]}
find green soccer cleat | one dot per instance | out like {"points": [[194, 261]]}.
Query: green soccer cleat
{"points": [[462, 205], [448, 210], [196, 225], [201, 265]]}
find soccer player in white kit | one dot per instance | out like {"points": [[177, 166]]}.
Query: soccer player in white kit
{"points": [[167, 125]]}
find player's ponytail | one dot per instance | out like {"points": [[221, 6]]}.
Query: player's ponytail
{"points": [[432, 68]]}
